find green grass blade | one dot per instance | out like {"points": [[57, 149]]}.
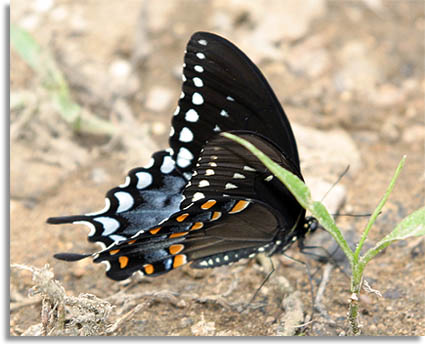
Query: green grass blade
{"points": [[55, 83], [378, 209], [411, 226], [301, 193]]}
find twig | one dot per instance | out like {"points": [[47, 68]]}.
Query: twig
{"points": [[321, 290], [21, 304], [126, 316]]}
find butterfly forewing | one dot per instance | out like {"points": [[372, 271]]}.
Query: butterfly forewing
{"points": [[223, 91]]}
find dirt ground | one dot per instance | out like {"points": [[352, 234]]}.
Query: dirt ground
{"points": [[350, 65]]}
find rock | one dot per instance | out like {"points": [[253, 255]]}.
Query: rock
{"points": [[275, 20], [121, 80], [158, 99], [99, 175], [390, 129], [308, 58], [158, 128], [414, 133], [120, 69], [387, 96], [326, 154], [268, 23], [359, 71], [203, 328], [157, 14]]}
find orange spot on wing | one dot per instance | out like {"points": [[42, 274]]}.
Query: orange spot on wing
{"points": [[182, 217], [123, 260], [114, 251], [179, 260], [197, 225], [241, 205], [174, 249], [177, 235], [155, 230], [149, 269], [208, 204], [131, 242], [215, 216]]}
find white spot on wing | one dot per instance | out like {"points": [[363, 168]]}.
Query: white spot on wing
{"points": [[182, 95], [107, 265], [197, 196], [125, 201], [171, 131], [230, 186], [248, 168], [184, 157], [117, 238], [212, 164], [197, 99], [198, 82], [200, 56], [109, 224], [203, 183], [186, 135], [224, 113], [198, 68], [192, 116], [229, 98], [217, 128], [167, 165], [187, 175], [177, 110], [88, 224], [126, 183], [106, 208], [144, 180], [269, 178], [209, 172], [202, 42], [150, 163], [238, 176]]}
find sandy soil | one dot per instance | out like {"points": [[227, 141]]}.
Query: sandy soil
{"points": [[355, 66]]}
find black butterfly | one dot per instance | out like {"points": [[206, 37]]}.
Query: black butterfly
{"points": [[206, 200]]}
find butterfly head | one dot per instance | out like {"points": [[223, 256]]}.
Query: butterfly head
{"points": [[310, 225]]}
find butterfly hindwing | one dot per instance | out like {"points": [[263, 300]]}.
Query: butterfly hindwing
{"points": [[216, 225], [148, 196]]}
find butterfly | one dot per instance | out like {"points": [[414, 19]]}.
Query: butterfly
{"points": [[205, 200]]}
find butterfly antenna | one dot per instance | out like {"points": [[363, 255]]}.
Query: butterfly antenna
{"points": [[333, 185], [336, 182], [354, 215]]}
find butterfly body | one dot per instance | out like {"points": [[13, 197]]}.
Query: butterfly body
{"points": [[206, 200]]}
